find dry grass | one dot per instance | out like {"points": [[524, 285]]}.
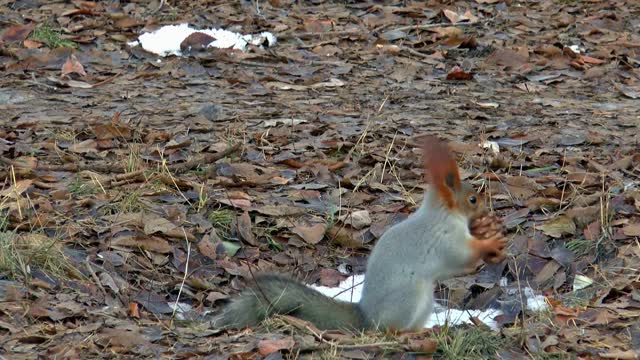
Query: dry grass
{"points": [[21, 253]]}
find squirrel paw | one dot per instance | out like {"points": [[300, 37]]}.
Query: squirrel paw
{"points": [[495, 249], [488, 232], [491, 250]]}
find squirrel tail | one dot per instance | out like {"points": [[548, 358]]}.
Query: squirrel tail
{"points": [[274, 294], [441, 169]]}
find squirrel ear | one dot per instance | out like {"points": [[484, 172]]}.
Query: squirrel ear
{"points": [[441, 169]]}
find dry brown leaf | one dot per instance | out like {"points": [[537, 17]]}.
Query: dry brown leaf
{"points": [[357, 219], [631, 229], [559, 226], [267, 346], [25, 164], [151, 243], [547, 272], [207, 245], [457, 73], [346, 237], [121, 338], [330, 277], [310, 233], [114, 129], [15, 190], [73, 65], [246, 229], [621, 355], [153, 224], [18, 32], [84, 147], [426, 345]]}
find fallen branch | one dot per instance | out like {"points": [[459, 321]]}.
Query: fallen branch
{"points": [[321, 33], [203, 160], [431, 26]]}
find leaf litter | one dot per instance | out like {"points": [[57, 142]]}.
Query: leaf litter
{"points": [[138, 195]]}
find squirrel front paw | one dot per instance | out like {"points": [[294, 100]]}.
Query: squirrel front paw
{"points": [[491, 250], [495, 250], [488, 231]]}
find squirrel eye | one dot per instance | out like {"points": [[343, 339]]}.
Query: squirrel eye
{"points": [[472, 199]]}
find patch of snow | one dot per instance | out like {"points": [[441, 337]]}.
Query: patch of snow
{"points": [[348, 290], [181, 309], [535, 302], [442, 315], [491, 145], [351, 290], [284, 121], [166, 40], [576, 49]]}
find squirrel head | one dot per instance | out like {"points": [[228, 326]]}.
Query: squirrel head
{"points": [[441, 171]]}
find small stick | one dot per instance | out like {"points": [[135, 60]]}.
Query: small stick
{"points": [[431, 26], [184, 278], [206, 159]]}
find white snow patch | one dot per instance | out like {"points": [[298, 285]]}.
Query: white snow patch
{"points": [[181, 309], [351, 290], [166, 40], [491, 145], [442, 315], [348, 290]]}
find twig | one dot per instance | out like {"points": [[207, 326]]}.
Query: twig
{"points": [[121, 179], [431, 26], [34, 81], [320, 34], [363, 31], [332, 343], [184, 278], [159, 7], [107, 80], [75, 167], [206, 159], [414, 52], [94, 276]]}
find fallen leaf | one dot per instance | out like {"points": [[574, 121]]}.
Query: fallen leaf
{"points": [[266, 347], [245, 229], [121, 338], [627, 91], [330, 277], [621, 355], [357, 219], [426, 345], [15, 190], [196, 41], [230, 247], [153, 302], [151, 243], [631, 229], [311, 234], [561, 225], [154, 225], [18, 32], [580, 282], [134, 310], [458, 74], [72, 65]]}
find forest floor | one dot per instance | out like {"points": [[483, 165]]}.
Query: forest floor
{"points": [[131, 182]]}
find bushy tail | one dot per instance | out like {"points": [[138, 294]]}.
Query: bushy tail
{"points": [[273, 294]]}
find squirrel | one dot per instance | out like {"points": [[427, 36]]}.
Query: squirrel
{"points": [[433, 243]]}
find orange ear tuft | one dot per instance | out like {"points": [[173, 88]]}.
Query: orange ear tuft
{"points": [[441, 169]]}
